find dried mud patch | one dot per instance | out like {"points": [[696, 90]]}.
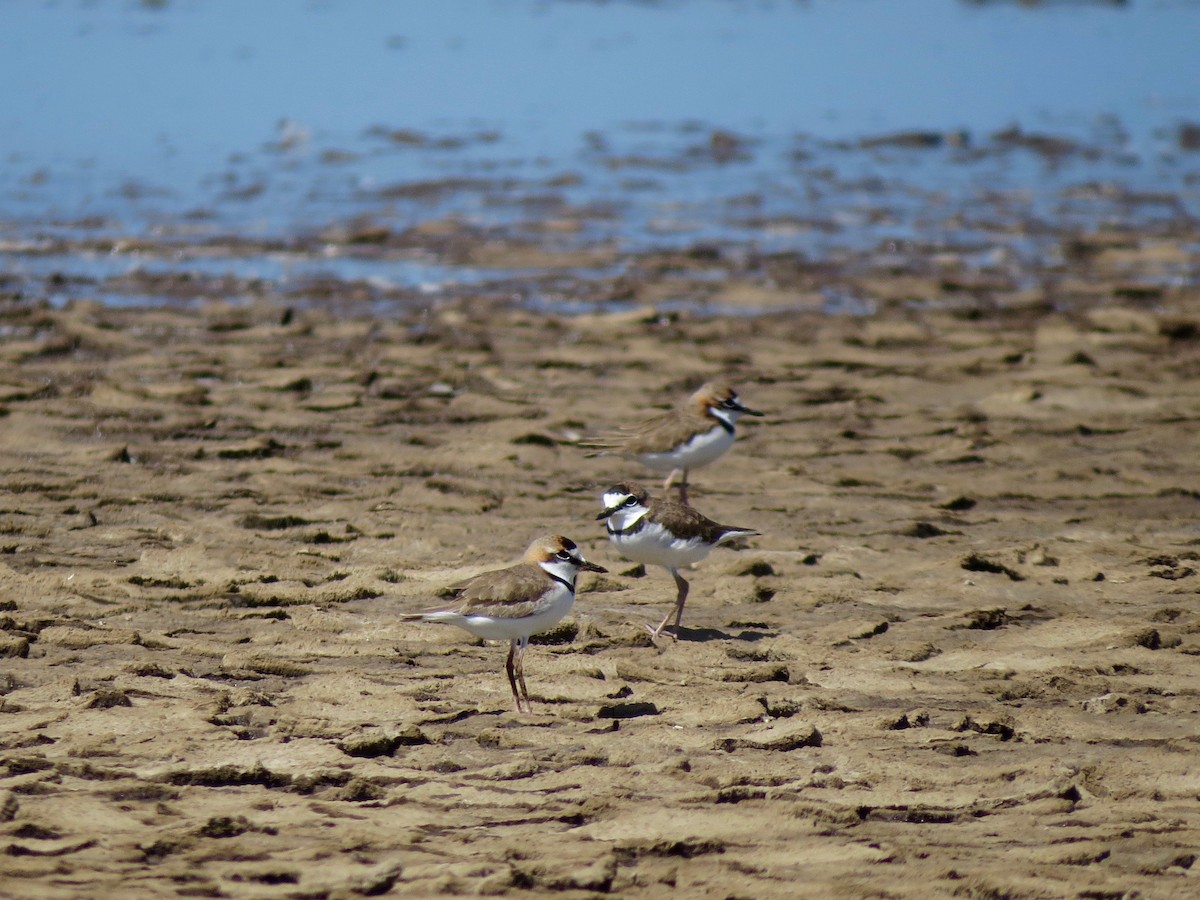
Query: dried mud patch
{"points": [[960, 659]]}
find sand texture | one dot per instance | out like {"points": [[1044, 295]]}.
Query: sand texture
{"points": [[960, 660]]}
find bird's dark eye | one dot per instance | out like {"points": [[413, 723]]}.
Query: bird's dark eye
{"points": [[563, 554], [631, 501]]}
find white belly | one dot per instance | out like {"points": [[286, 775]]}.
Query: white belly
{"points": [[498, 629], [656, 546], [699, 451]]}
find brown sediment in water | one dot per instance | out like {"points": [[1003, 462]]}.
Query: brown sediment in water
{"points": [[959, 659]]}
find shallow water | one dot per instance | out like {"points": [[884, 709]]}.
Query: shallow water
{"points": [[782, 126]]}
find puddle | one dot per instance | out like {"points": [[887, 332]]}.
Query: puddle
{"points": [[430, 148]]}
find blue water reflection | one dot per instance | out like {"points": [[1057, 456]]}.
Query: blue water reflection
{"points": [[279, 117]]}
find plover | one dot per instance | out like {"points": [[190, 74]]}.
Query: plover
{"points": [[692, 435], [514, 603], [663, 533]]}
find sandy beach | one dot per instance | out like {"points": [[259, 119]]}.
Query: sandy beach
{"points": [[960, 660]]}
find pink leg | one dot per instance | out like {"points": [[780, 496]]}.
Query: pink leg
{"points": [[676, 610], [521, 678], [670, 480], [512, 667]]}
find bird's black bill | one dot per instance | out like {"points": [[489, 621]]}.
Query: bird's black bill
{"points": [[744, 410], [608, 512], [585, 566]]}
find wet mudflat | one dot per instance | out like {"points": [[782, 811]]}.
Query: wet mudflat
{"points": [[257, 400], [959, 661]]}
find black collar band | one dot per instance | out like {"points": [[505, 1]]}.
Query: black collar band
{"points": [[568, 585]]}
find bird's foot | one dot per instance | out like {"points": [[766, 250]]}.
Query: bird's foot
{"points": [[655, 632]]}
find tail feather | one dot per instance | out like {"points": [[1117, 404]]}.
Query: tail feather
{"points": [[732, 533], [433, 615], [598, 445]]}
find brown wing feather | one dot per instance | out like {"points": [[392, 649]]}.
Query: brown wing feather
{"points": [[504, 593], [656, 434], [685, 519]]}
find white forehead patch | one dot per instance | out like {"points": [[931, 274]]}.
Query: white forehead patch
{"points": [[614, 498]]}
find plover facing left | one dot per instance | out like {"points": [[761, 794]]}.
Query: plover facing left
{"points": [[663, 533]]}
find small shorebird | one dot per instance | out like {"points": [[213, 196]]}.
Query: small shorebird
{"points": [[662, 533], [512, 604], [692, 435]]}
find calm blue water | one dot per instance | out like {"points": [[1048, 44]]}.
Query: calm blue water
{"points": [[272, 118]]}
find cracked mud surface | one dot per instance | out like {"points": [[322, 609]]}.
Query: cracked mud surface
{"points": [[960, 660]]}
